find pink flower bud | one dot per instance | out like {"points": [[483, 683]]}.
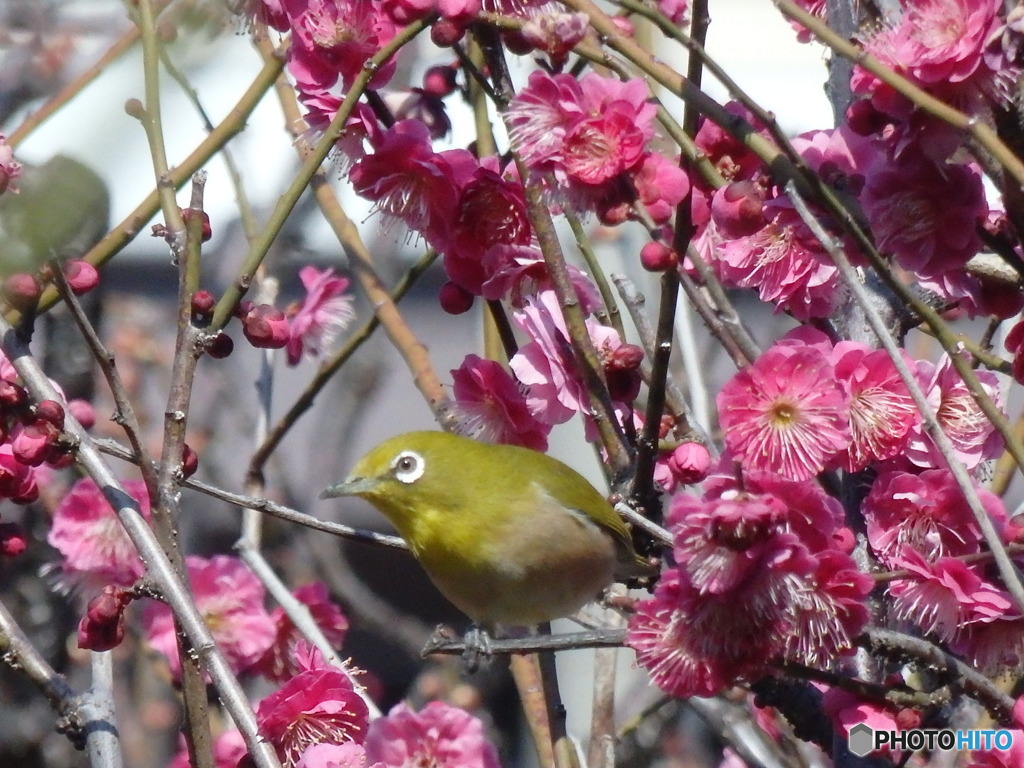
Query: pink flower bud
{"points": [[32, 442], [655, 256], [81, 276], [445, 33], [265, 327], [22, 290], [12, 540], [12, 396], [83, 412], [690, 462]]}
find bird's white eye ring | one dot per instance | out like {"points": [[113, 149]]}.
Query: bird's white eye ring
{"points": [[408, 466]]}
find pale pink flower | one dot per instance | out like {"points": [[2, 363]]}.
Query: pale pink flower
{"points": [[546, 364], [490, 406], [347, 755], [10, 169], [923, 213], [540, 116], [925, 512], [93, 544], [784, 262], [786, 413], [319, 705], [552, 29], [438, 736], [324, 313], [228, 749], [882, 412], [230, 599], [974, 437], [279, 662]]}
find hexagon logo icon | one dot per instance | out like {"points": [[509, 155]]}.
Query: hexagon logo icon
{"points": [[861, 739]]}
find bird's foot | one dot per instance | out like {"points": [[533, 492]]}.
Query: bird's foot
{"points": [[477, 647]]}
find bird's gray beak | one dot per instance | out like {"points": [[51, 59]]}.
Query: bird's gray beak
{"points": [[353, 486]]}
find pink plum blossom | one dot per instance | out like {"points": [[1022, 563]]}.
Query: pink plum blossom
{"points": [[439, 736], [319, 705], [882, 411], [410, 182], [279, 662], [347, 755], [230, 599], [784, 262], [321, 316], [786, 413], [332, 38], [925, 512], [490, 406], [973, 436], [93, 544], [517, 272]]}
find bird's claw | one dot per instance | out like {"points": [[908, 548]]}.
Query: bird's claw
{"points": [[477, 647]]}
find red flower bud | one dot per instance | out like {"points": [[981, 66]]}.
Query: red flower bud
{"points": [[439, 80], [445, 33], [219, 346], [202, 305], [455, 299], [626, 357], [51, 411], [189, 213], [189, 461], [102, 626]]}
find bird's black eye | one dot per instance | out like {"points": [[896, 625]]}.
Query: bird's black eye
{"points": [[408, 466]]}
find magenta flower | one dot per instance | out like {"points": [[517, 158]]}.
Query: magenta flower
{"points": [[336, 37], [925, 214], [517, 272], [882, 412], [322, 315], [755, 580], [279, 662], [438, 736], [784, 262], [973, 436], [924, 512], [319, 705], [410, 182], [490, 406], [95, 549], [230, 599], [786, 413]]}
